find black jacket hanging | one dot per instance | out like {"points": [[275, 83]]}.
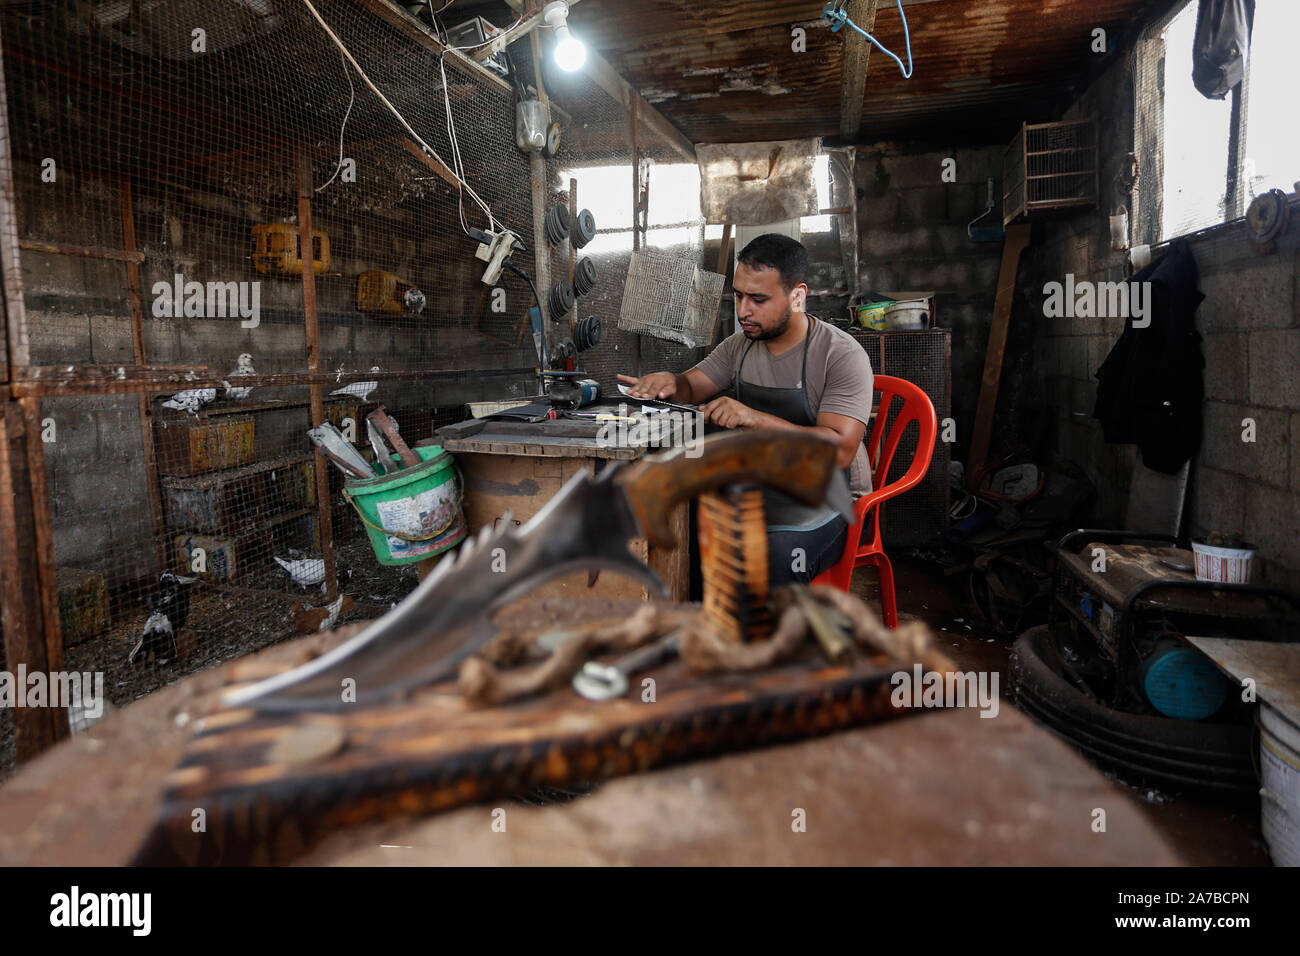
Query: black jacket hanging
{"points": [[1222, 45], [1150, 387]]}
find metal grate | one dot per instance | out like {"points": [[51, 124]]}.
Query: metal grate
{"points": [[671, 299], [1050, 166], [917, 517]]}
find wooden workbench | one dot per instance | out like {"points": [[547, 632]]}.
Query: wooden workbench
{"points": [[937, 788], [519, 466]]}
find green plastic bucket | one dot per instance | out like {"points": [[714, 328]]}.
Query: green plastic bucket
{"points": [[413, 514]]}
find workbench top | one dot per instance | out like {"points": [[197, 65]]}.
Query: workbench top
{"points": [[938, 788], [561, 438]]}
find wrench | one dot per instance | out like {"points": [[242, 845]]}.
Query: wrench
{"points": [[598, 681]]}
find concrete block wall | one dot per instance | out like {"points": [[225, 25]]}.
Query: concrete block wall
{"points": [[913, 237], [1250, 323], [78, 313]]}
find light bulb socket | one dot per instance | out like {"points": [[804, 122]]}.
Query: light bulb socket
{"points": [[556, 14]]}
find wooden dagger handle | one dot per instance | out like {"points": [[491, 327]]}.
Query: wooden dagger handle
{"points": [[800, 464], [380, 418]]}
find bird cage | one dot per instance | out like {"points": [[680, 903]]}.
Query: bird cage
{"points": [[1049, 166], [671, 299]]}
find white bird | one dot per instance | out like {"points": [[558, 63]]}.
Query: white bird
{"points": [[305, 572], [243, 367], [191, 400], [359, 390]]}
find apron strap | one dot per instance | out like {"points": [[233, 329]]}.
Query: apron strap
{"points": [[803, 369]]}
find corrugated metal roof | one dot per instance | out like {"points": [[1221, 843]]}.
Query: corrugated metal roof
{"points": [[725, 71]]}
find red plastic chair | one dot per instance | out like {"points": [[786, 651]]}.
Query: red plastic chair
{"points": [[863, 545]]}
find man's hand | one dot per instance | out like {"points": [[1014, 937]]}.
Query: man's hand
{"points": [[654, 385], [730, 413]]}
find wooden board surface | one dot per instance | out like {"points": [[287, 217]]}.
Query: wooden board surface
{"points": [[523, 484], [561, 438], [937, 788], [1274, 667], [1017, 238]]}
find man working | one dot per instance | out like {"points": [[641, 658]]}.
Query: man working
{"points": [[790, 371]]}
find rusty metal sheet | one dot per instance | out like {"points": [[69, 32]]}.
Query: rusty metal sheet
{"points": [[727, 73]]}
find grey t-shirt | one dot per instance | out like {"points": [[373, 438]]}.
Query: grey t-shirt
{"points": [[840, 379]]}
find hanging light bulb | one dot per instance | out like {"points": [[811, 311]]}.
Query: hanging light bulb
{"points": [[570, 53]]}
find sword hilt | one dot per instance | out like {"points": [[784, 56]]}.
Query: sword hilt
{"points": [[801, 464]]}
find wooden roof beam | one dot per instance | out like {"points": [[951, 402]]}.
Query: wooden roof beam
{"points": [[853, 67]]}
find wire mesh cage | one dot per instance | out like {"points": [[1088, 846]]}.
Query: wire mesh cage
{"points": [[671, 299], [1050, 166], [163, 156], [919, 516]]}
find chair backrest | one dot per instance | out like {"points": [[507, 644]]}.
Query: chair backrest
{"points": [[913, 405]]}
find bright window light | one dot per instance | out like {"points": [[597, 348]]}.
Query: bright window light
{"points": [[822, 176], [1272, 140], [1196, 129], [1196, 138], [674, 216]]}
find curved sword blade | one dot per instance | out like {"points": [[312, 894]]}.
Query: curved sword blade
{"points": [[446, 619]]}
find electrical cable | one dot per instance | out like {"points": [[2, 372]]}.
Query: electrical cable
{"points": [[546, 361], [455, 145], [835, 13], [493, 223], [352, 96]]}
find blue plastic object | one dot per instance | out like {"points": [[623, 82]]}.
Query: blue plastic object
{"points": [[1183, 683]]}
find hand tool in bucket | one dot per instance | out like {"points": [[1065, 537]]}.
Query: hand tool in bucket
{"points": [[588, 524], [385, 425]]}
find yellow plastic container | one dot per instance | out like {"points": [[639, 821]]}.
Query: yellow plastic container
{"points": [[280, 253], [379, 291], [871, 315]]}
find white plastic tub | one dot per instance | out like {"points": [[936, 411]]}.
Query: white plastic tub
{"points": [[1279, 773], [908, 316], [1224, 565]]}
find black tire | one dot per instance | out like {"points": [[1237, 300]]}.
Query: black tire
{"points": [[1178, 756]]}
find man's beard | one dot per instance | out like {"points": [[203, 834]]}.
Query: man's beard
{"points": [[773, 333]]}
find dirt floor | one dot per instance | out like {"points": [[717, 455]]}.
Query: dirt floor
{"points": [[1205, 835], [224, 624]]}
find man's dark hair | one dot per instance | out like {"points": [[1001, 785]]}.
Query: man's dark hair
{"points": [[785, 255]]}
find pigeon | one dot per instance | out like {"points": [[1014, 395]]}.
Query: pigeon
{"points": [[306, 572], [359, 390], [243, 367], [168, 611], [313, 619], [191, 400]]}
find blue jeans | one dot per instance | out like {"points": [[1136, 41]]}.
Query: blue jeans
{"points": [[821, 548]]}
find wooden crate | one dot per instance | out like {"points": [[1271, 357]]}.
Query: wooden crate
{"points": [[83, 604], [304, 530], [523, 485], [241, 558], [188, 447], [293, 486], [217, 503], [339, 409]]}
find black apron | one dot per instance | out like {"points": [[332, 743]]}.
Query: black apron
{"points": [[791, 404]]}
